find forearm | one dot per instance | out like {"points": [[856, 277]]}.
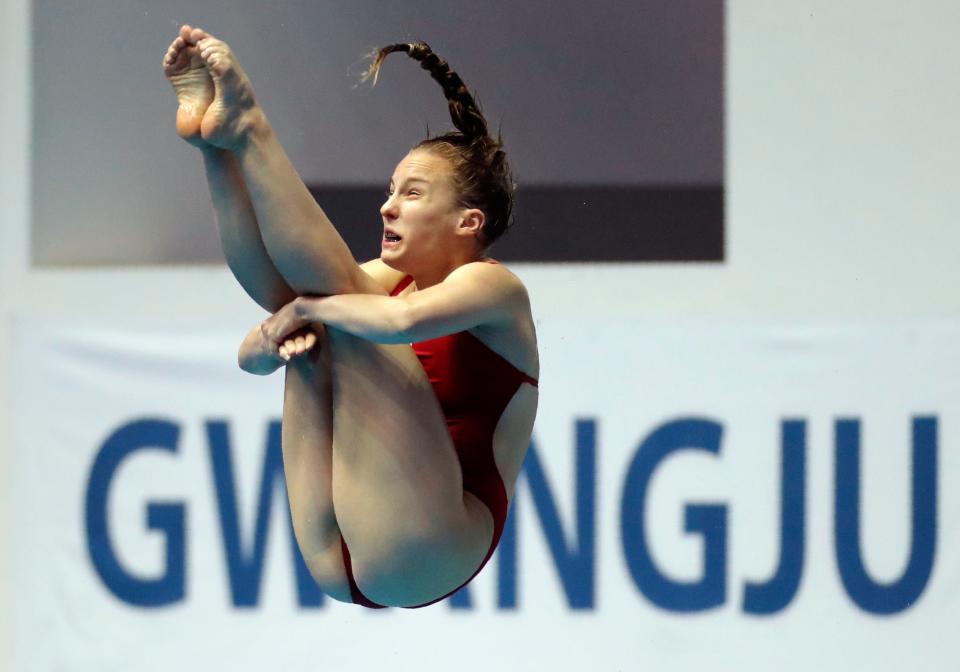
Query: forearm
{"points": [[381, 319], [240, 233]]}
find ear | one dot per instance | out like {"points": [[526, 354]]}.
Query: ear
{"points": [[471, 222]]}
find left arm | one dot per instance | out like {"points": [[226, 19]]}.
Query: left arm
{"points": [[473, 295]]}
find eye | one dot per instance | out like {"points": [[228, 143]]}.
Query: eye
{"points": [[413, 192], [388, 193]]}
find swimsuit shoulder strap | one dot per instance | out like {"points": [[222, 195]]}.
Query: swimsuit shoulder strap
{"points": [[402, 285]]}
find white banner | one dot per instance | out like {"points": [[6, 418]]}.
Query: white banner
{"points": [[697, 497]]}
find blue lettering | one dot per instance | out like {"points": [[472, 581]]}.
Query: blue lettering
{"points": [[135, 436], [245, 570], [900, 594], [507, 559], [779, 591], [710, 521], [575, 561]]}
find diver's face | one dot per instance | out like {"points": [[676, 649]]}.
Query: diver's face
{"points": [[421, 213]]}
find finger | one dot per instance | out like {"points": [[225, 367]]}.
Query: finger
{"points": [[291, 346], [282, 351], [310, 340], [300, 345]]}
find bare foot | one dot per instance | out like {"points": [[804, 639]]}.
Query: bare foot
{"points": [[193, 85], [233, 112]]}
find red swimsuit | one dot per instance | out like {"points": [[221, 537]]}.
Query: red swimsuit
{"points": [[473, 385]]}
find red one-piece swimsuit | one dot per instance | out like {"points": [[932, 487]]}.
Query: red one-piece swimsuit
{"points": [[473, 385]]}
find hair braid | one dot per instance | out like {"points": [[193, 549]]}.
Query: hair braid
{"points": [[482, 172], [464, 110]]}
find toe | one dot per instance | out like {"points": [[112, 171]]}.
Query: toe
{"points": [[206, 53], [211, 51], [174, 47], [170, 59]]}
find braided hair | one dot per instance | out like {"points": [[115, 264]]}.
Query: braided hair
{"points": [[482, 175]]}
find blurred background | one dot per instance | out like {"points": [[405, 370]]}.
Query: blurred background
{"points": [[736, 224], [612, 120]]}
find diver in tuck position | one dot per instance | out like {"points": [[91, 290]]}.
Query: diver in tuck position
{"points": [[400, 461]]}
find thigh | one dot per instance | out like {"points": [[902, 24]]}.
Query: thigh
{"points": [[413, 533], [307, 441]]}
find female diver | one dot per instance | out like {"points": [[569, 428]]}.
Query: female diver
{"points": [[400, 461]]}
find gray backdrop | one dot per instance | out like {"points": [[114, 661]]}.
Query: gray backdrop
{"points": [[612, 113]]}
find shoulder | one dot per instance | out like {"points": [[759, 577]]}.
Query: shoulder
{"points": [[494, 276], [388, 278], [510, 331], [492, 286]]}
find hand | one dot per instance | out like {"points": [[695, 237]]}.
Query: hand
{"points": [[297, 343], [280, 327]]}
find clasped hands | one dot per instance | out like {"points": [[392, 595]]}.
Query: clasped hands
{"points": [[288, 333]]}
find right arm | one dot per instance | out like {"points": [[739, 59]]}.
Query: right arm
{"points": [[260, 356]]}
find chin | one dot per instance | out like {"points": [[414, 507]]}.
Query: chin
{"points": [[391, 260]]}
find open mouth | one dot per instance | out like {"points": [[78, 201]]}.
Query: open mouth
{"points": [[390, 237]]}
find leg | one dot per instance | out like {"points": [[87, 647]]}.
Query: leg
{"points": [[305, 252], [307, 462], [240, 233], [413, 533], [236, 220], [301, 241]]}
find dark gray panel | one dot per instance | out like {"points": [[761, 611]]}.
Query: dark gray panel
{"points": [[569, 223]]}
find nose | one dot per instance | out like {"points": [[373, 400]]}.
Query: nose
{"points": [[389, 208]]}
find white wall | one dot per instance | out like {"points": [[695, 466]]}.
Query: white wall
{"points": [[841, 157], [14, 195]]}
